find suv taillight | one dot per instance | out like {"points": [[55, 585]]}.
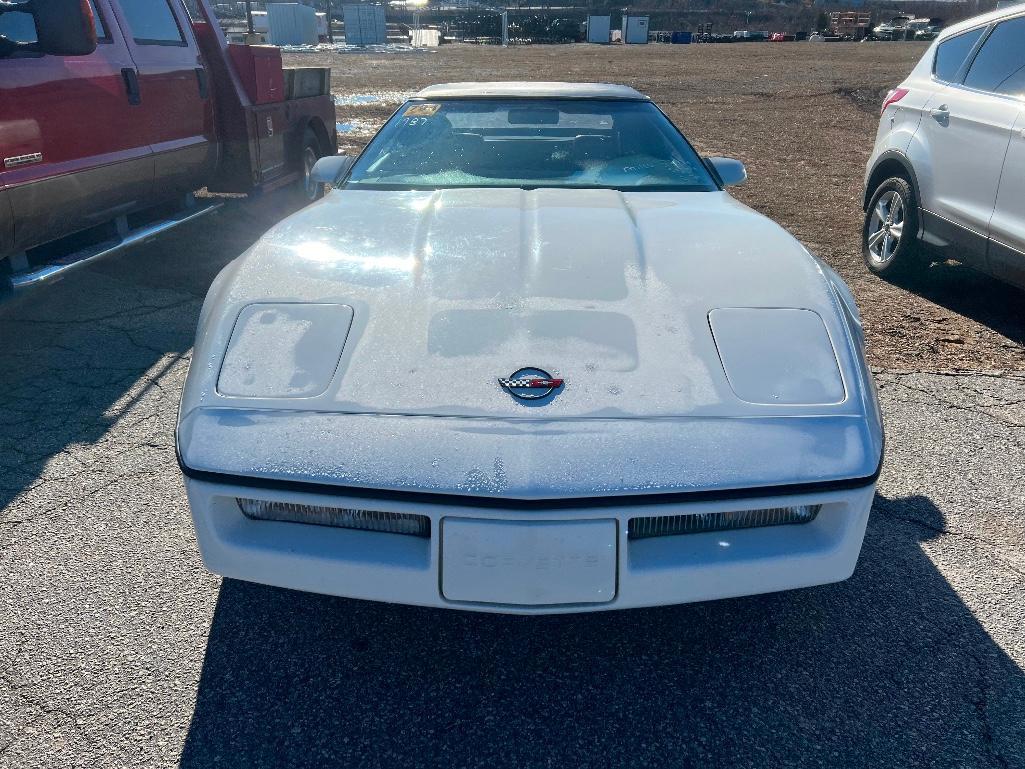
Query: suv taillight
{"points": [[893, 97]]}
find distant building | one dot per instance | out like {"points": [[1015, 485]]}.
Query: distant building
{"points": [[598, 28], [853, 24], [364, 25], [635, 30], [291, 24]]}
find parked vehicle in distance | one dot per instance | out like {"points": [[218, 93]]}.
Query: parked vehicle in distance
{"points": [[115, 111], [930, 31], [946, 179], [892, 29], [915, 27], [744, 35], [529, 356]]}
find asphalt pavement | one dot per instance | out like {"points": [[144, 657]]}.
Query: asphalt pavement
{"points": [[117, 649]]}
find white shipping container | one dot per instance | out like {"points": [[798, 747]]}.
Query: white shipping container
{"points": [[260, 21], [291, 24], [425, 38], [635, 29], [598, 28], [364, 25]]}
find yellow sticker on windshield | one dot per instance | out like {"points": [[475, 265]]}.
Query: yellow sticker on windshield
{"points": [[421, 110]]}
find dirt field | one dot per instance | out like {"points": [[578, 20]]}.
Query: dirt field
{"points": [[803, 118], [119, 649]]}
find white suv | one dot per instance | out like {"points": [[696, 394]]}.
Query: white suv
{"points": [[946, 179]]}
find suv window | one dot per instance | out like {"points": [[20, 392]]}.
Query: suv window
{"points": [[1015, 84], [152, 22], [21, 27], [1000, 64], [951, 54]]}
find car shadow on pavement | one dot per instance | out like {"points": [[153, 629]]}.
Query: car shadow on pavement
{"points": [[889, 669], [965, 291]]}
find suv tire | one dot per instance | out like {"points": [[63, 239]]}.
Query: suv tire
{"points": [[889, 242]]}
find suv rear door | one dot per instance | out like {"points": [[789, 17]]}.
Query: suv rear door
{"points": [[172, 91], [73, 151], [1000, 68], [964, 134], [1007, 230]]}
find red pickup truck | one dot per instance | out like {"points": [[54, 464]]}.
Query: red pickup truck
{"points": [[112, 112]]}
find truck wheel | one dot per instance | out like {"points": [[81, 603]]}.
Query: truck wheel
{"points": [[888, 243], [310, 154]]}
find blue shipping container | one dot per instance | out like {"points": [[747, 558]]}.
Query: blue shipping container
{"points": [[682, 38]]}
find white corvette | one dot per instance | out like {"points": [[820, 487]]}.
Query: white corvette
{"points": [[528, 356]]}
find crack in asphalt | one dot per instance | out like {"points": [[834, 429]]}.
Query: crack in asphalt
{"points": [[140, 312], [996, 557], [981, 705], [951, 405], [118, 396]]}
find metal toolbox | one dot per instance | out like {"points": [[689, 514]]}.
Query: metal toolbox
{"points": [[303, 82]]}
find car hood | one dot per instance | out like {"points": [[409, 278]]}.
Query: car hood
{"points": [[451, 290]]}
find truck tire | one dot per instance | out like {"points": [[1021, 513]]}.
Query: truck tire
{"points": [[308, 156]]}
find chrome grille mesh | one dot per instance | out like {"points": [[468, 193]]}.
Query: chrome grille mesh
{"points": [[698, 523]]}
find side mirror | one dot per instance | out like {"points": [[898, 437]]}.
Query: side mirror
{"points": [[330, 169], [731, 172], [63, 27]]}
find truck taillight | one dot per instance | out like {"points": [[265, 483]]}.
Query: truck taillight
{"points": [[893, 97]]}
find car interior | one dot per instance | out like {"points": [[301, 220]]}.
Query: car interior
{"points": [[517, 146]]}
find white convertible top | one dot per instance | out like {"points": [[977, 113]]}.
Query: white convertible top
{"points": [[523, 89]]}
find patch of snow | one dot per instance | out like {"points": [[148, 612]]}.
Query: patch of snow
{"points": [[363, 99], [388, 48], [358, 127]]}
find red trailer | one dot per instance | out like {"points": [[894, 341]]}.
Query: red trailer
{"points": [[113, 112]]}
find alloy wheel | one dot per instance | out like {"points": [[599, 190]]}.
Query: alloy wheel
{"points": [[886, 227]]}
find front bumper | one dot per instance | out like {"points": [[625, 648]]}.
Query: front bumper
{"points": [[530, 460], [648, 572]]}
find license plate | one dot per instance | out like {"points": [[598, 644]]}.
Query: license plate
{"points": [[528, 563]]}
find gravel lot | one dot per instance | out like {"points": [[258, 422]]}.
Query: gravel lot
{"points": [[802, 117], [118, 650]]}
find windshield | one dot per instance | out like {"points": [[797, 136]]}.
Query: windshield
{"points": [[530, 143]]}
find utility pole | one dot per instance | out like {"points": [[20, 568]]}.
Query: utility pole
{"points": [[330, 34], [249, 17]]}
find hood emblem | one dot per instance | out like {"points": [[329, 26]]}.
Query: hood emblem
{"points": [[530, 384]]}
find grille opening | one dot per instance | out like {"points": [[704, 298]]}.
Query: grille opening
{"points": [[339, 517], [700, 523]]}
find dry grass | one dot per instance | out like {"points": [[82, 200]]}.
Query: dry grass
{"points": [[802, 116]]}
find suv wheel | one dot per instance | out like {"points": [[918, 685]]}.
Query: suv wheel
{"points": [[888, 243]]}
